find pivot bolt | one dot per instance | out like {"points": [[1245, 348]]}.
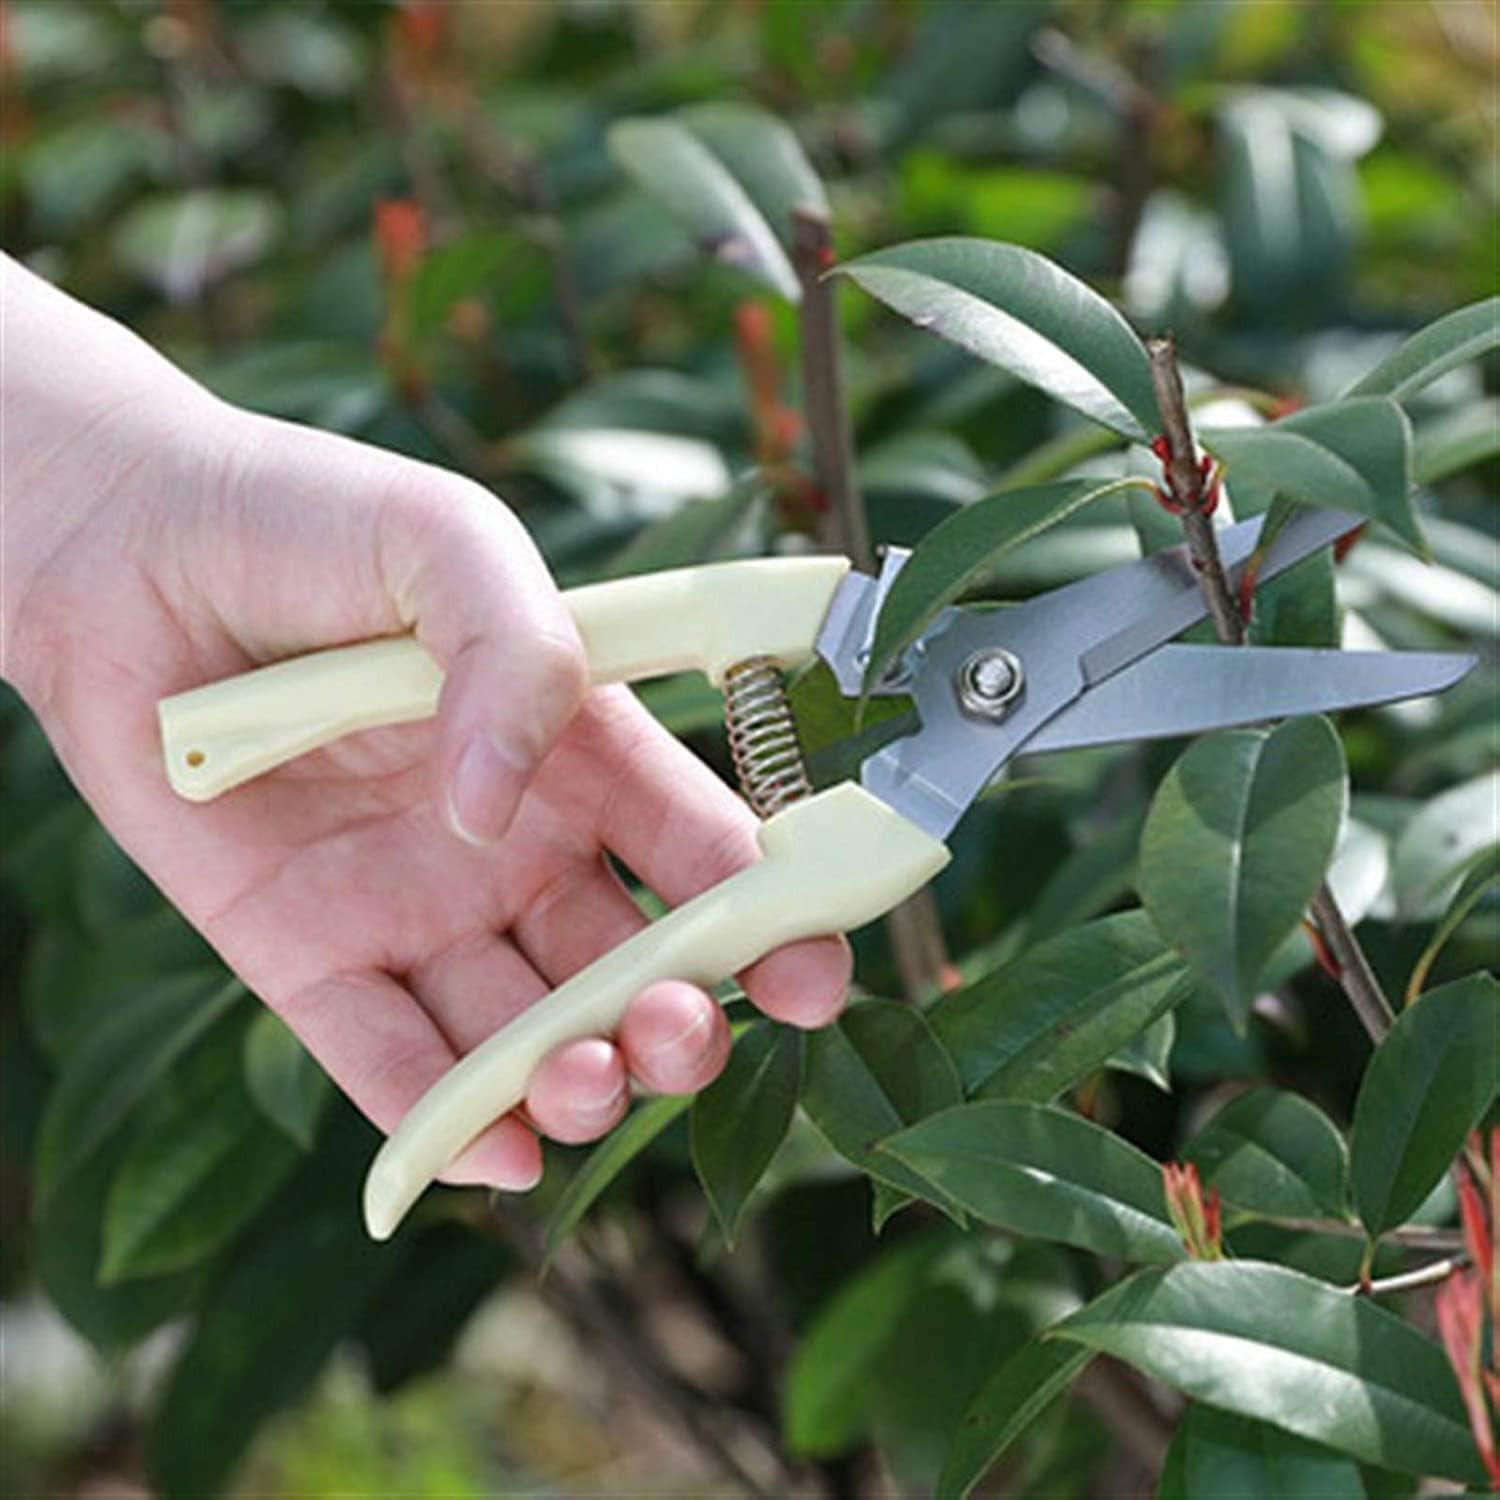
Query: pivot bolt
{"points": [[988, 683]]}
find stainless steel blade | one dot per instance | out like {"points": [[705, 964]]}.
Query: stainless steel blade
{"points": [[1066, 641], [1192, 689]]}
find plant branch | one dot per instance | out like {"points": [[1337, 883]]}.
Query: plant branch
{"points": [[1409, 1281], [1407, 1236], [915, 933], [1115, 1392], [1186, 484]]}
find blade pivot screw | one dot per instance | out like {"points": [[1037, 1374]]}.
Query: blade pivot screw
{"points": [[988, 683]]}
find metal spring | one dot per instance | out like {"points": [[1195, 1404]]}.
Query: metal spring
{"points": [[763, 736]]}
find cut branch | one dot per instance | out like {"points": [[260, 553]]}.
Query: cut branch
{"points": [[1187, 489]]}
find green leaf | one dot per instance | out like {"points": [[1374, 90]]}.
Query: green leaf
{"points": [[1457, 440], [740, 1119], [1274, 1153], [1236, 843], [1216, 1455], [1019, 310], [200, 1165], [1094, 877], [825, 1407], [1149, 1053], [1432, 849], [1039, 1171], [259, 1341], [764, 156], [606, 1161], [877, 1069], [1426, 1088], [729, 175], [1032, 1027], [1004, 1410], [701, 531], [959, 551], [1347, 455], [283, 1078], [1442, 346], [116, 1068], [1269, 1343], [184, 242], [929, 465], [1481, 873]]}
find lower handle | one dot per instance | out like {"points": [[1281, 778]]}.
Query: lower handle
{"points": [[831, 863]]}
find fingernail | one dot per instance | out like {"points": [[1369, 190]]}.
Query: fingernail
{"points": [[679, 1039], [482, 796], [597, 1114], [520, 1180]]}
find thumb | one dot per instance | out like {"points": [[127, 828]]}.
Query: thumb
{"points": [[481, 600]]}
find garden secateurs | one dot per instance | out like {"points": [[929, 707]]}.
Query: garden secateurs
{"points": [[1090, 663]]}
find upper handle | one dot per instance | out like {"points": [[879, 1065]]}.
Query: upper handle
{"points": [[216, 737]]}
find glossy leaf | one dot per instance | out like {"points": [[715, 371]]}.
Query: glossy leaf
{"points": [[701, 531], [120, 1063], [1149, 1053], [1238, 839], [1277, 1346], [1480, 876], [1019, 310], [1216, 1455], [684, 172], [1273, 1153], [828, 1382], [1007, 1405], [1426, 1088], [876, 1070], [958, 552], [1040, 1171], [201, 1163], [1432, 849], [283, 1078], [740, 1119], [1348, 455], [1032, 1027], [1442, 346], [607, 1160]]}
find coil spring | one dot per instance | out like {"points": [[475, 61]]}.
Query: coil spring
{"points": [[763, 736]]}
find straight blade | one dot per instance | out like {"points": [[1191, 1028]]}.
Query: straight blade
{"points": [[1181, 690]]}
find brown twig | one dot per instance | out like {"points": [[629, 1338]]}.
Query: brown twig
{"points": [[1115, 1393], [1187, 488], [915, 933], [1407, 1236]]}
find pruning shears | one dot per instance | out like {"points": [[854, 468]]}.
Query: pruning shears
{"points": [[1090, 663]]}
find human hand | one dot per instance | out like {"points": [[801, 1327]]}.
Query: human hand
{"points": [[399, 896]]}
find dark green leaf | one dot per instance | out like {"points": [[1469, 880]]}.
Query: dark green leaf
{"points": [[1348, 455], [828, 1383], [1040, 1023], [1019, 310], [1216, 1455], [1269, 1343], [1096, 876], [68, 1243], [683, 172], [1427, 1086], [1004, 1410], [1039, 1171], [930, 465], [1274, 1153], [701, 531], [201, 1163], [1237, 841], [606, 1161], [740, 1119], [146, 1029], [1453, 340], [957, 553], [1148, 1054], [284, 1080], [877, 1069], [1481, 873]]}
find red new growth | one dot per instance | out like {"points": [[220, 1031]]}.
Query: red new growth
{"points": [[400, 236]]}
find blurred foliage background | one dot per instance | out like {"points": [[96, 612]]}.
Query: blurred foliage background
{"points": [[401, 221]]}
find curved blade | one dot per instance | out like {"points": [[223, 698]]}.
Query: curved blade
{"points": [[1192, 689]]}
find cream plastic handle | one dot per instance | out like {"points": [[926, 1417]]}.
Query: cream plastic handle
{"points": [[216, 737], [833, 862]]}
